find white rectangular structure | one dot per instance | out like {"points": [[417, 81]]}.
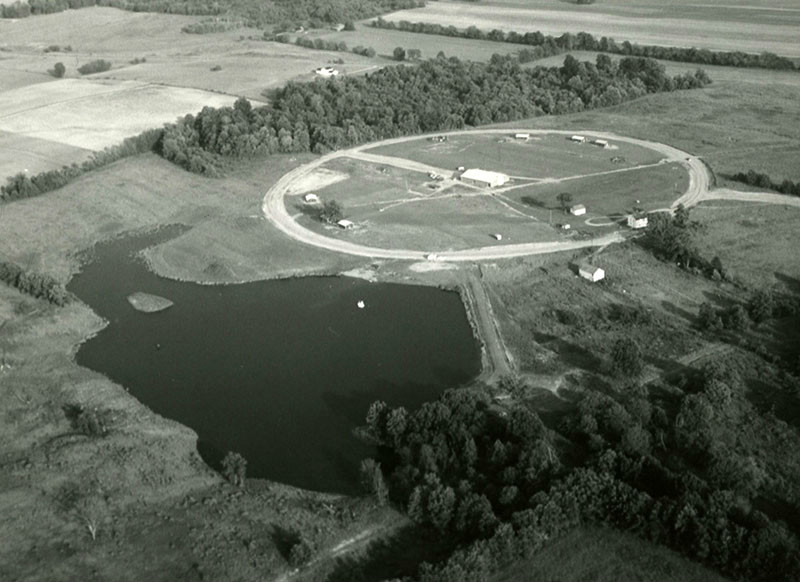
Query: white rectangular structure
{"points": [[311, 198], [522, 135], [578, 138], [345, 224], [637, 221], [578, 210], [601, 142], [591, 273], [484, 178], [326, 72]]}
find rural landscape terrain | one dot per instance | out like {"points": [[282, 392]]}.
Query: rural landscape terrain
{"points": [[399, 289]]}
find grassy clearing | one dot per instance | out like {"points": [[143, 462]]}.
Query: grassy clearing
{"points": [[594, 553], [230, 240], [548, 156], [705, 27], [757, 241]]}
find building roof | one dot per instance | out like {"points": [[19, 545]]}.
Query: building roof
{"points": [[344, 223], [484, 176]]}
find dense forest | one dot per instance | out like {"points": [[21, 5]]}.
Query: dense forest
{"points": [[665, 464], [546, 46], [438, 94], [256, 14]]}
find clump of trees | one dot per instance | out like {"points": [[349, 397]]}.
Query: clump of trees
{"points": [[760, 180], [96, 66], [58, 70], [211, 26], [762, 305], [36, 285], [547, 46], [439, 94], [331, 212]]}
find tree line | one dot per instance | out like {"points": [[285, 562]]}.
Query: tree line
{"points": [[438, 94], [36, 285], [284, 14], [322, 44], [546, 46], [760, 180], [22, 185]]}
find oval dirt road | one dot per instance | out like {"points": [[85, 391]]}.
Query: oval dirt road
{"points": [[275, 210]]}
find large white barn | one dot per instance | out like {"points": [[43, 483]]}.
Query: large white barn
{"points": [[483, 178]]}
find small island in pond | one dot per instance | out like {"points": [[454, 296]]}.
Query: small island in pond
{"points": [[148, 303]]}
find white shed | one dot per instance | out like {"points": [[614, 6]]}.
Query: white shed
{"points": [[578, 210], [346, 224], [578, 138], [591, 273], [522, 135], [497, 236], [601, 142], [637, 221], [311, 199]]}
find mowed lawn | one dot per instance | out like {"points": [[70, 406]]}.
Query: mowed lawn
{"points": [[684, 24], [547, 156], [614, 193]]}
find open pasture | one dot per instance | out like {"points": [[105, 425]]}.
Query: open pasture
{"points": [[20, 153], [682, 24], [546, 156]]}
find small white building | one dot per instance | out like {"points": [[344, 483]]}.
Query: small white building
{"points": [[578, 210], [338, 27], [483, 178], [578, 139], [565, 227], [311, 199], [497, 236], [601, 142], [591, 273], [637, 221], [346, 224], [522, 136], [326, 72]]}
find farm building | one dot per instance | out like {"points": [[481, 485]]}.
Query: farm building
{"points": [[578, 139], [311, 199], [346, 224], [591, 273], [338, 27], [483, 178], [637, 220], [601, 142], [578, 210], [522, 136]]}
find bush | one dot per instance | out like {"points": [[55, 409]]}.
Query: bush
{"points": [[300, 553], [626, 358], [98, 66], [58, 70], [234, 468]]}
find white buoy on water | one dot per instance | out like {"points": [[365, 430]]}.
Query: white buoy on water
{"points": [[361, 304]]}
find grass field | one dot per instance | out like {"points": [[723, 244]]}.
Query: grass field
{"points": [[20, 153], [549, 156], [666, 24], [588, 554]]}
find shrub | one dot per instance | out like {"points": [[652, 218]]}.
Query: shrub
{"points": [[97, 66]]}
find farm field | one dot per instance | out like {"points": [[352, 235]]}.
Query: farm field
{"points": [[548, 156], [703, 27], [32, 155]]}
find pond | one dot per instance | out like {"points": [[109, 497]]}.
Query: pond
{"points": [[279, 371]]}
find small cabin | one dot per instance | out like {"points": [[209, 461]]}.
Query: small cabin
{"points": [[326, 72], [522, 136], [338, 27], [346, 224], [311, 199], [565, 227], [578, 139], [637, 221], [601, 142], [497, 236], [578, 210], [591, 273]]}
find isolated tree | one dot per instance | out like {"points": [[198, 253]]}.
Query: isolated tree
{"points": [[626, 358], [331, 212], [234, 467], [399, 54], [414, 54], [300, 553], [59, 70], [349, 25], [373, 482], [565, 199]]}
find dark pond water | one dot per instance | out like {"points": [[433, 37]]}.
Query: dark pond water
{"points": [[280, 371]]}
